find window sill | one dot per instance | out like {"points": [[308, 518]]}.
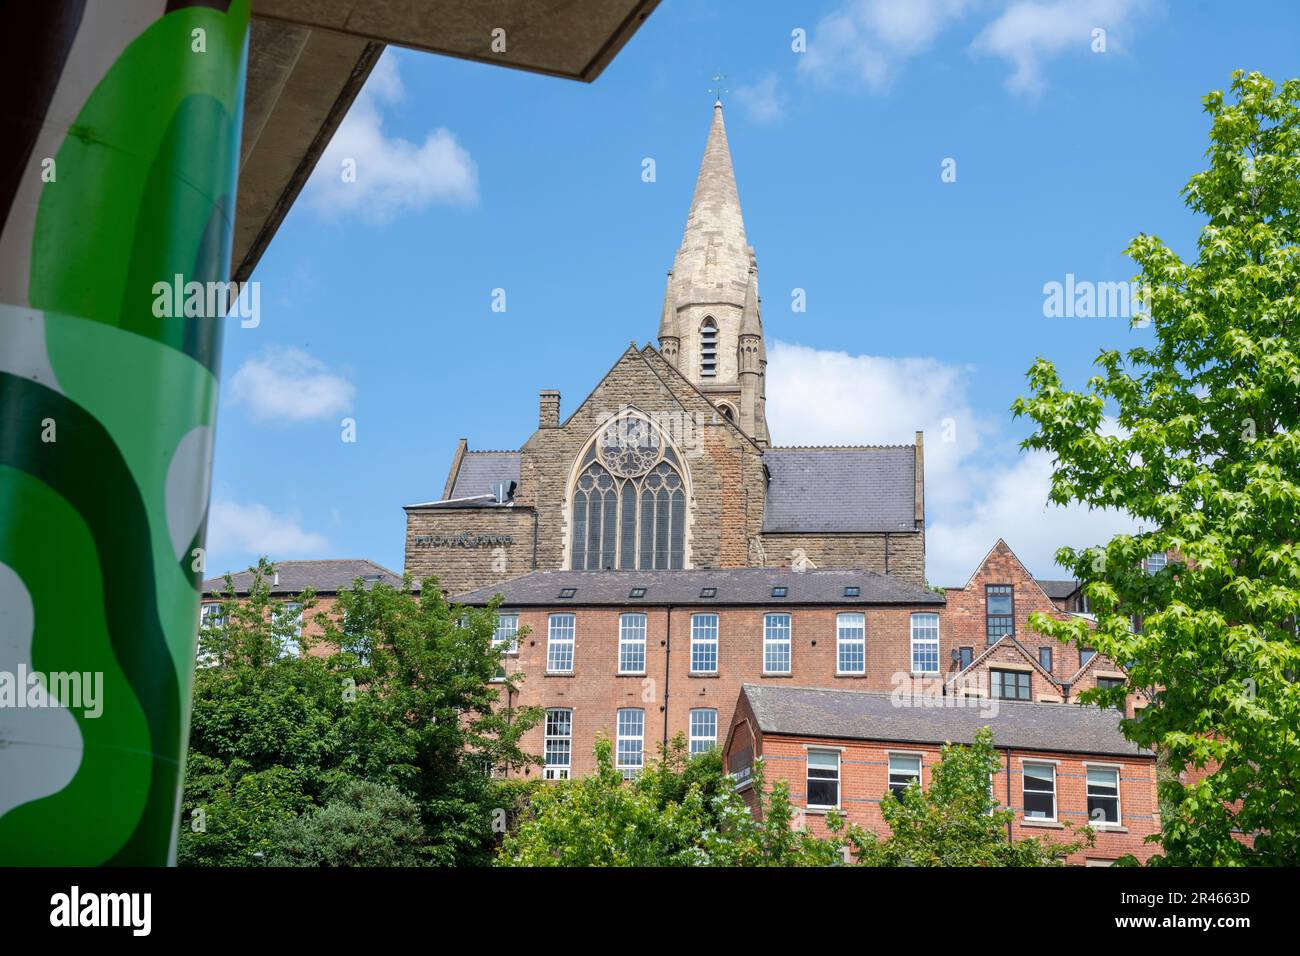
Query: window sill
{"points": [[776, 674], [630, 674], [819, 811], [924, 674], [1043, 824], [853, 674], [707, 675], [1108, 827], [558, 674]]}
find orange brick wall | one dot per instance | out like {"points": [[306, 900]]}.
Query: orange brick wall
{"points": [[864, 775], [595, 691]]}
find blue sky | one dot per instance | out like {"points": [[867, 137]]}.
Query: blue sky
{"points": [[924, 297]]}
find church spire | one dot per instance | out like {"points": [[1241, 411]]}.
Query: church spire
{"points": [[714, 252], [711, 327]]}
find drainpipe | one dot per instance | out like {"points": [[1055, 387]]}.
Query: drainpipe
{"points": [[534, 567], [668, 659], [886, 552], [1011, 819]]}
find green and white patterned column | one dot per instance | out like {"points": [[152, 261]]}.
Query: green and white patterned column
{"points": [[120, 133]]}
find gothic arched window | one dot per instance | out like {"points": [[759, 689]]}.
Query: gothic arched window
{"points": [[628, 503], [709, 348]]}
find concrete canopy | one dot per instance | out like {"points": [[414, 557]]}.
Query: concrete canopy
{"points": [[308, 59]]}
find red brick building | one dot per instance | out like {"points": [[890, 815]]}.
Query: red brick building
{"points": [[645, 655], [991, 650], [843, 749], [291, 579]]}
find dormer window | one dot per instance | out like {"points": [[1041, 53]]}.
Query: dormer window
{"points": [[709, 349]]}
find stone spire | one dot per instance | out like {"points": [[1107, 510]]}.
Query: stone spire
{"points": [[711, 327], [714, 254]]}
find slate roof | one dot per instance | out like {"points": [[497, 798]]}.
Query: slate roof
{"points": [[735, 586], [1057, 590], [473, 486], [323, 577], [857, 715], [841, 489]]}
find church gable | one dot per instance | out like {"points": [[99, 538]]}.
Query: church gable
{"points": [[706, 449]]}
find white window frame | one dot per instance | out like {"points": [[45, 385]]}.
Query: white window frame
{"points": [[925, 642], [1024, 779], [629, 624], [292, 646], [629, 770], [507, 636], [916, 755], [704, 637], [557, 771], [807, 777], [561, 630], [778, 643], [844, 620], [209, 616], [1160, 564], [709, 741], [1116, 769]]}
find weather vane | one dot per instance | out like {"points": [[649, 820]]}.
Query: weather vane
{"points": [[717, 89]]}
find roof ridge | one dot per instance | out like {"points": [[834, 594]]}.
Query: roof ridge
{"points": [[836, 447]]}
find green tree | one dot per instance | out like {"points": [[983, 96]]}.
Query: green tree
{"points": [[956, 821], [406, 702], [1204, 451], [425, 714], [363, 824], [679, 811]]}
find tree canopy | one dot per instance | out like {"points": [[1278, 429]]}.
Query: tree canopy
{"points": [[1194, 433]]}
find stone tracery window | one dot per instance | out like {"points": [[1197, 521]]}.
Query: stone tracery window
{"points": [[628, 505]]}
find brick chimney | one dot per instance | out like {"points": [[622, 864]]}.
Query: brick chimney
{"points": [[548, 409]]}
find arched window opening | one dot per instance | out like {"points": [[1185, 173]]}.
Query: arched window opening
{"points": [[727, 413], [628, 503], [709, 348]]}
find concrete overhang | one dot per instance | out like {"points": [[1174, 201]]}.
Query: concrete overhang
{"points": [[308, 59]]}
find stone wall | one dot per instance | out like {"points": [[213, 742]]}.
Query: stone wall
{"points": [[473, 564]]}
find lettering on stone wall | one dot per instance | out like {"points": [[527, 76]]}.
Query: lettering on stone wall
{"points": [[466, 539]]}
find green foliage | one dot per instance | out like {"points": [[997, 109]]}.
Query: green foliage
{"points": [[406, 703], [678, 811], [365, 824], [955, 822], [1207, 456]]}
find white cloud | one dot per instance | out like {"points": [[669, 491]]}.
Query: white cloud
{"points": [[391, 174], [251, 529], [979, 487], [1029, 32], [284, 385], [868, 40], [1012, 504], [763, 100], [816, 397]]}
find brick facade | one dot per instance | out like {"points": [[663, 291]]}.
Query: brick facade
{"points": [[668, 690], [864, 779]]}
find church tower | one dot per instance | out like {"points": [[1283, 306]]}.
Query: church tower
{"points": [[711, 326]]}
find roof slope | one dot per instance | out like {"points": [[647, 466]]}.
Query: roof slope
{"points": [[841, 489], [479, 469], [1057, 590], [735, 586], [855, 715], [325, 576]]}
